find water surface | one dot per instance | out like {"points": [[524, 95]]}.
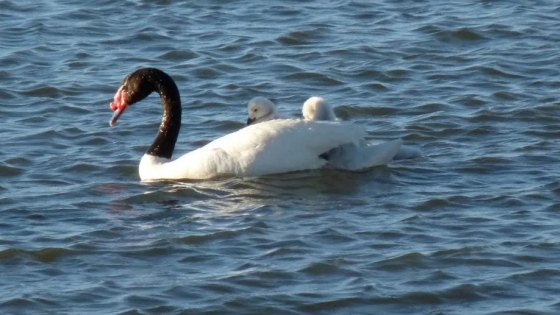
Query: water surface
{"points": [[469, 228]]}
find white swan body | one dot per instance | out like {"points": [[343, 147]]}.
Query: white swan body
{"points": [[276, 146]]}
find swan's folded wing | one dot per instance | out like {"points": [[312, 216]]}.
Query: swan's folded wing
{"points": [[280, 146], [364, 155]]}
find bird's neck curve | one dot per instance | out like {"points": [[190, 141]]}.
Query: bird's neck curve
{"points": [[164, 143]]}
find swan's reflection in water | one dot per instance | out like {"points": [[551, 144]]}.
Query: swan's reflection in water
{"points": [[244, 194], [319, 190], [241, 215]]}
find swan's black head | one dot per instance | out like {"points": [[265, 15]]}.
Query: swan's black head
{"points": [[135, 87]]}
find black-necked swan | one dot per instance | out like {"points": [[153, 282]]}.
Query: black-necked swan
{"points": [[276, 146]]}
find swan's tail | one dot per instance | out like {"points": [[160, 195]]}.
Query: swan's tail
{"points": [[380, 154], [407, 152]]}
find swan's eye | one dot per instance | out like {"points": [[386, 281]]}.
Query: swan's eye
{"points": [[255, 110]]}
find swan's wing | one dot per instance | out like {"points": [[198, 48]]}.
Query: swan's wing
{"points": [[356, 156], [280, 146]]}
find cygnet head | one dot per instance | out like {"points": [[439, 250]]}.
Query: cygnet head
{"points": [[260, 109], [315, 108]]}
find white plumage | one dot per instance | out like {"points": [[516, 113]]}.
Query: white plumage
{"points": [[355, 155], [271, 147]]}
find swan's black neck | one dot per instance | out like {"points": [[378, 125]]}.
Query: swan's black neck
{"points": [[163, 84]]}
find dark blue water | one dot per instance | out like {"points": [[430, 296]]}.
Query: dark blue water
{"points": [[469, 228]]}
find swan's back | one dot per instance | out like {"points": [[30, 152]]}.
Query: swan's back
{"points": [[280, 146], [270, 147]]}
